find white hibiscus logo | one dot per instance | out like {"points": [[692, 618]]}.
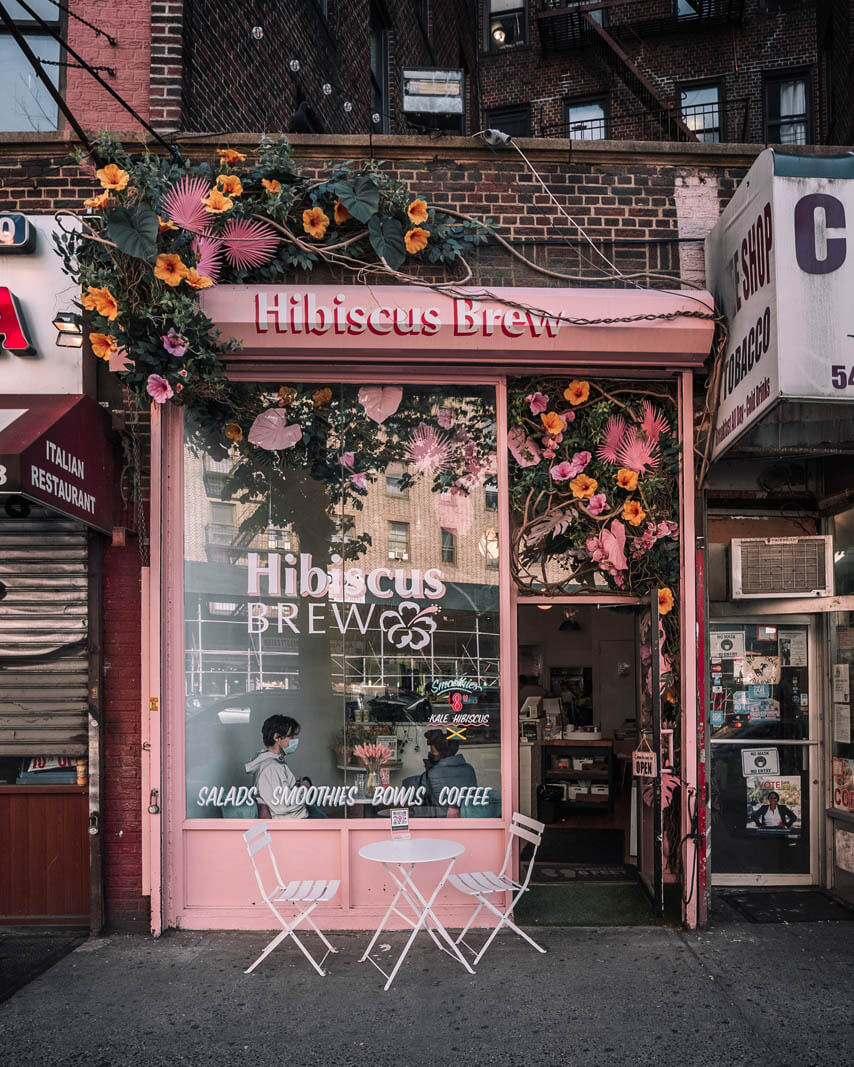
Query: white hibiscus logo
{"points": [[409, 626]]}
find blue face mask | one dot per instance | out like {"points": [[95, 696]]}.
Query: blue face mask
{"points": [[291, 746]]}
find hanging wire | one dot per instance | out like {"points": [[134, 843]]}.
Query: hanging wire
{"points": [[66, 10], [76, 66]]}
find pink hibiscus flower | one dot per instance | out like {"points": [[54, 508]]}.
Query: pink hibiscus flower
{"points": [[158, 389], [359, 479], [174, 343], [597, 504], [562, 472], [579, 462], [348, 459], [538, 403], [608, 550]]}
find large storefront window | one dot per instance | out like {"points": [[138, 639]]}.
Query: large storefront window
{"points": [[341, 604]]}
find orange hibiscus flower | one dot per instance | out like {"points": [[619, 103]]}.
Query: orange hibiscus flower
{"points": [[553, 423], [272, 185], [102, 301], [165, 225], [627, 479], [233, 431], [196, 280], [230, 156], [112, 177], [633, 513], [169, 268], [416, 239], [341, 214], [583, 487], [99, 201], [417, 212], [103, 345], [286, 396], [230, 184], [217, 202], [315, 222], [577, 392], [665, 604], [321, 397]]}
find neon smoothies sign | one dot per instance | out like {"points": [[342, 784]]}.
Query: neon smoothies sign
{"points": [[406, 624]]}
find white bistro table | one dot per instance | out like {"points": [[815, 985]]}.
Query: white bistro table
{"points": [[399, 858]]}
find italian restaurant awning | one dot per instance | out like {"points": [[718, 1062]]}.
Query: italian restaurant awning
{"points": [[57, 450]]}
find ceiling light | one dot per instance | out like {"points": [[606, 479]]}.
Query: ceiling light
{"points": [[326, 89], [498, 33], [257, 32], [544, 607], [294, 66]]}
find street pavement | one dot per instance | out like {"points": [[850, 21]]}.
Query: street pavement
{"points": [[736, 993]]}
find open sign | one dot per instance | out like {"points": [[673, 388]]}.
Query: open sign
{"points": [[644, 763]]}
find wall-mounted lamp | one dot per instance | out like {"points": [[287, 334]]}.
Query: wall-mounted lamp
{"points": [[498, 33], [69, 326]]}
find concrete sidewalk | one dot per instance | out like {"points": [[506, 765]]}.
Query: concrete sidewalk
{"points": [[740, 993]]}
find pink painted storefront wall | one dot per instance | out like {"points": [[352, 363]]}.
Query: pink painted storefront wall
{"points": [[208, 882]]}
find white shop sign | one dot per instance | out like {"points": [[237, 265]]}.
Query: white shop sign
{"points": [[761, 761], [780, 263]]}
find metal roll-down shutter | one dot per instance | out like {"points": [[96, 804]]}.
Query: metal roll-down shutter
{"points": [[44, 656]]}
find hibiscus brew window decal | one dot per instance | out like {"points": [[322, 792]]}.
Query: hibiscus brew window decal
{"points": [[362, 614]]}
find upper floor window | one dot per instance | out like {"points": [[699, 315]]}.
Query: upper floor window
{"points": [[379, 70], [395, 475], [490, 494], [699, 109], [787, 110], [586, 120], [449, 546], [513, 120], [398, 540], [25, 103], [506, 23]]}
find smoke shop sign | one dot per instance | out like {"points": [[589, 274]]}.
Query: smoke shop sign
{"points": [[781, 268]]}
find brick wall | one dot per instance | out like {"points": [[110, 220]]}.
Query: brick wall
{"points": [[836, 70], [737, 56], [121, 826], [233, 80], [129, 24]]}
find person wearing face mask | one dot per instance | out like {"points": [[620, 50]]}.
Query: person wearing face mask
{"points": [[273, 777]]}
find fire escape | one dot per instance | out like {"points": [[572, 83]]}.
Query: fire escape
{"points": [[602, 25]]}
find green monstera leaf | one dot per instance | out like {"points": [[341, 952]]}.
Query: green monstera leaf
{"points": [[386, 237], [361, 197], [134, 231]]}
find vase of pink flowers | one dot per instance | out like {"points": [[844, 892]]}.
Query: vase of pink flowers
{"points": [[374, 755]]}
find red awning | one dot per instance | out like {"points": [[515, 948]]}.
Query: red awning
{"points": [[58, 450]]}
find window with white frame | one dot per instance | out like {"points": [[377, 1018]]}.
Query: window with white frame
{"points": [[398, 540]]}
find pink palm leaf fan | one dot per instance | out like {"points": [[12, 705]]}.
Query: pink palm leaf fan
{"points": [[636, 452], [249, 243], [209, 252], [615, 429], [183, 204], [653, 424]]}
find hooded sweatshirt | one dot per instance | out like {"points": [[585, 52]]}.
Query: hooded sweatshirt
{"points": [[273, 779]]}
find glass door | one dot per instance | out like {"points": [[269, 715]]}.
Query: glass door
{"points": [[764, 740], [648, 800]]}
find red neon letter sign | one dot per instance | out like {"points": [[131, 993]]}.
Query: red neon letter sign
{"points": [[13, 330]]}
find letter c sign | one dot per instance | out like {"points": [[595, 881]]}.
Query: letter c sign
{"points": [[807, 232]]}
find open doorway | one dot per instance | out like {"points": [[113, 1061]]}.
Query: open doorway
{"points": [[578, 727]]}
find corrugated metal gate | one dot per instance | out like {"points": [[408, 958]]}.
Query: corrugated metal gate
{"points": [[44, 665]]}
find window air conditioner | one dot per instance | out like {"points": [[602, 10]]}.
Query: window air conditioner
{"points": [[764, 567]]}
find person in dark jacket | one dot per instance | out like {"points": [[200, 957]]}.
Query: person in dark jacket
{"points": [[443, 767], [774, 815]]}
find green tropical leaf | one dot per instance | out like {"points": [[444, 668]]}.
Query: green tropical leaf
{"points": [[361, 197], [134, 230], [386, 237]]}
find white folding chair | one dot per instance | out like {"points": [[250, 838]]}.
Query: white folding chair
{"points": [[304, 896], [482, 884]]}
